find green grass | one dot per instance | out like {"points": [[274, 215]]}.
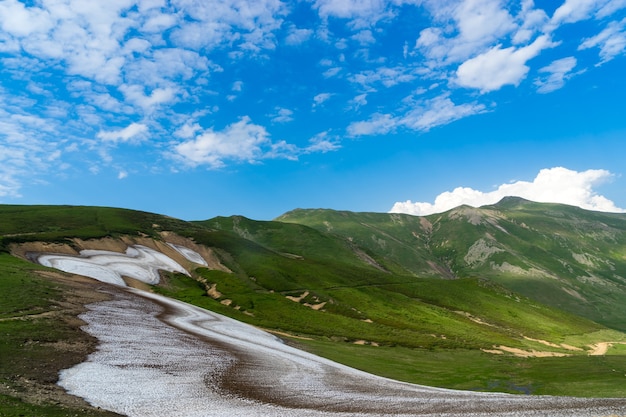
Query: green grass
{"points": [[410, 332], [29, 332], [14, 407], [581, 376], [59, 223]]}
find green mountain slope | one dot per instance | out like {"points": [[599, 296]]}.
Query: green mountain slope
{"points": [[559, 255], [366, 288]]}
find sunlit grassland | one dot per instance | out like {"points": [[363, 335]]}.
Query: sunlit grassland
{"points": [[580, 375], [431, 345]]}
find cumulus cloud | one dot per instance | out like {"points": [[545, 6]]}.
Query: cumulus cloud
{"points": [[240, 141], [552, 185], [476, 25], [499, 66]]}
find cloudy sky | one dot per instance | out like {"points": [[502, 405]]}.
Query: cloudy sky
{"points": [[198, 108]]}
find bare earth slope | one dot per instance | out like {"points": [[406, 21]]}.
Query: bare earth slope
{"points": [[164, 357]]}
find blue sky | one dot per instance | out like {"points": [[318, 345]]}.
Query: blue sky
{"points": [[198, 108]]}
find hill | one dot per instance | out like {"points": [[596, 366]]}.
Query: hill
{"points": [[512, 297], [560, 255]]}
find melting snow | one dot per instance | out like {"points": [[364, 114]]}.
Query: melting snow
{"points": [[189, 254], [139, 262], [159, 357]]}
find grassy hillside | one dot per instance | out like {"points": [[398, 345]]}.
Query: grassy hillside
{"points": [[58, 223], [366, 289], [563, 256]]}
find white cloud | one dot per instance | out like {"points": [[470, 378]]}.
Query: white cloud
{"points": [[240, 141], [552, 185], [439, 111], [331, 72], [499, 66], [321, 98], [297, 36], [20, 21], [28, 145], [387, 76], [482, 20], [424, 116], [132, 132], [248, 25], [463, 29], [322, 142], [122, 174], [611, 7], [378, 124], [532, 20], [558, 72], [572, 11], [364, 37], [611, 41], [282, 115], [360, 100], [361, 13], [135, 94], [237, 86]]}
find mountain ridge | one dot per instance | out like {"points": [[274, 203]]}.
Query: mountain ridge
{"points": [[526, 246]]}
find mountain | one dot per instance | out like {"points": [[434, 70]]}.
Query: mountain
{"points": [[560, 255], [517, 296]]}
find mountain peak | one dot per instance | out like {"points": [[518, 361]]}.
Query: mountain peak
{"points": [[511, 202]]}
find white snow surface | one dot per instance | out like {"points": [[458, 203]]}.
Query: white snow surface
{"points": [[139, 262], [189, 254], [161, 357]]}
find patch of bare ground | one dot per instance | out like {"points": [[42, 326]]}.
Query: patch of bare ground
{"points": [[554, 345], [599, 349], [285, 334], [500, 350], [318, 306], [36, 381]]}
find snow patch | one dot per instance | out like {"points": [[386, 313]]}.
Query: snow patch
{"points": [[159, 357], [139, 262], [189, 254]]}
